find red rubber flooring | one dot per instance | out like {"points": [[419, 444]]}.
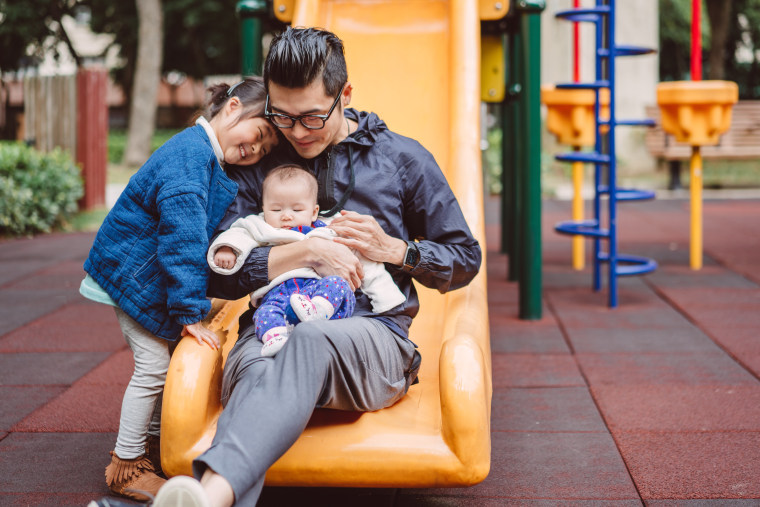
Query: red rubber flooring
{"points": [[654, 403]]}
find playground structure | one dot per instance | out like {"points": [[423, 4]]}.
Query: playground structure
{"points": [[570, 117], [439, 434], [696, 112], [602, 226]]}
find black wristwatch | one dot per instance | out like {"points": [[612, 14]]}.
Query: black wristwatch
{"points": [[412, 256]]}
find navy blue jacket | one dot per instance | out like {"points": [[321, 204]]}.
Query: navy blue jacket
{"points": [[398, 182], [150, 253]]}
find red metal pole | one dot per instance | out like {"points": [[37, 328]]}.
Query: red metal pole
{"points": [[92, 135], [696, 40], [576, 47]]}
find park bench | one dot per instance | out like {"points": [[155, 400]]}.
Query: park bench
{"points": [[741, 142]]}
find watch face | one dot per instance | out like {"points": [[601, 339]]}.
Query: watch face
{"points": [[411, 255]]}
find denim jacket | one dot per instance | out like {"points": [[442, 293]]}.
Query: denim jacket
{"points": [[150, 253], [398, 182]]}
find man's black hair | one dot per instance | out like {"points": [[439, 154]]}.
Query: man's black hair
{"points": [[299, 56]]}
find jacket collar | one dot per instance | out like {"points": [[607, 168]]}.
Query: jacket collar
{"points": [[369, 127], [203, 122]]}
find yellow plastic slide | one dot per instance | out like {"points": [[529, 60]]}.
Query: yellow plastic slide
{"points": [[417, 64]]}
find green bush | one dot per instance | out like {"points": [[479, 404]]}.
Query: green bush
{"points": [[38, 191]]}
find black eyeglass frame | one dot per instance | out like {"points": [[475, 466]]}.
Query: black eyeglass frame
{"points": [[324, 117]]}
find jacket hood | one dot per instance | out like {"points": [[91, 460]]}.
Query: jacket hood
{"points": [[370, 126]]}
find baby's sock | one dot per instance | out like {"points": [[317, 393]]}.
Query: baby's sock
{"points": [[311, 309], [303, 307], [274, 339], [325, 309]]}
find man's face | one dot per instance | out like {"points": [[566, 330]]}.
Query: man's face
{"points": [[311, 99]]}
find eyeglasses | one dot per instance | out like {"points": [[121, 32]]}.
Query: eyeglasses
{"points": [[310, 121]]}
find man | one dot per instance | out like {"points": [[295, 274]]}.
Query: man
{"points": [[394, 206]]}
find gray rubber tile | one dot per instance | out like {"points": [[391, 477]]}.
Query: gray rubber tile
{"points": [[47, 368]]}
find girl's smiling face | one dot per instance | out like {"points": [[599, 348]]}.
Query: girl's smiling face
{"points": [[246, 141]]}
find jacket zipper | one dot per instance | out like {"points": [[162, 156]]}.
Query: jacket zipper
{"points": [[325, 196]]}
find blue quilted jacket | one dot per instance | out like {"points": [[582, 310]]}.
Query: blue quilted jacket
{"points": [[150, 253]]}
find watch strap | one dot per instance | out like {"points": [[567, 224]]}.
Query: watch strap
{"points": [[412, 256]]}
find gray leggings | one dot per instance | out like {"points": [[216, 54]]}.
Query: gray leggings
{"points": [[350, 364], [141, 406]]}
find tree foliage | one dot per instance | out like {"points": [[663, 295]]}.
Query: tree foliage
{"points": [[742, 38], [675, 39], [32, 24], [200, 38], [744, 35]]}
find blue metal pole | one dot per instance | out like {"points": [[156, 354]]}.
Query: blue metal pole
{"points": [[612, 183]]}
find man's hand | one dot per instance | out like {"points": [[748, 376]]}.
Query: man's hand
{"points": [[331, 259], [225, 257], [201, 334], [363, 234]]}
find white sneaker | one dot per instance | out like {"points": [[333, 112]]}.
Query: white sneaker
{"points": [[274, 340], [181, 491]]}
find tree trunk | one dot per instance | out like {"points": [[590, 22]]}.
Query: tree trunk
{"points": [[142, 111], [719, 12]]}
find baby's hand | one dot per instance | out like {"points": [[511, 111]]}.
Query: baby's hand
{"points": [[225, 257], [201, 334]]}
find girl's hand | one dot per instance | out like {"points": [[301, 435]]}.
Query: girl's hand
{"points": [[363, 234], [201, 334]]}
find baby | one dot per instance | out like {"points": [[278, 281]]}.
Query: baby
{"points": [[290, 212]]}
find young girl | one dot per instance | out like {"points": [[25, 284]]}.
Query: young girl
{"points": [[149, 261]]}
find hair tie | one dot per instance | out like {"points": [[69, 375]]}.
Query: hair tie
{"points": [[232, 88]]}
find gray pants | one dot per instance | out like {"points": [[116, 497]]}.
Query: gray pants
{"points": [[349, 364], [141, 406]]}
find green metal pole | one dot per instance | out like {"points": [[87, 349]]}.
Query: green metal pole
{"points": [[513, 154], [508, 160], [251, 13], [529, 181]]}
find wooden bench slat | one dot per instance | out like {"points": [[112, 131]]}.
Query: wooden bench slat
{"points": [[741, 141]]}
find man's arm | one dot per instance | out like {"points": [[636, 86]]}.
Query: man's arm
{"points": [[324, 256], [266, 263], [444, 266], [364, 234], [449, 255]]}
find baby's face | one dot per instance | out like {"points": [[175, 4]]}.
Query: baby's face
{"points": [[289, 203]]}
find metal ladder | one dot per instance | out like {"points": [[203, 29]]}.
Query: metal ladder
{"points": [[603, 155]]}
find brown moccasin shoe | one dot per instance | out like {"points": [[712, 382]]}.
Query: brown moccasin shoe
{"points": [[133, 478], [153, 453]]}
